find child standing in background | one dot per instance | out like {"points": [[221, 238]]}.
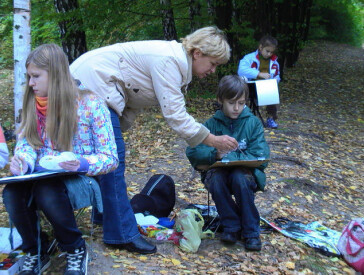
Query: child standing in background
{"points": [[239, 217], [263, 64], [4, 152]]}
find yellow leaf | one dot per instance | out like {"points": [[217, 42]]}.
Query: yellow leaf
{"points": [[274, 241], [163, 271], [176, 262], [352, 187], [153, 170], [290, 265], [308, 198], [272, 133], [143, 258], [116, 266], [158, 116]]}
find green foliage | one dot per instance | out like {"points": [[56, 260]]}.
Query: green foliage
{"points": [[244, 34], [44, 23], [44, 28], [6, 41], [340, 21]]}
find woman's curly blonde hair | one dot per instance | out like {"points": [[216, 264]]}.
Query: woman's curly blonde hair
{"points": [[211, 41]]}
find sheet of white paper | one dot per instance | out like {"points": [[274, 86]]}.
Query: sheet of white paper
{"points": [[4, 240], [145, 220], [267, 92]]}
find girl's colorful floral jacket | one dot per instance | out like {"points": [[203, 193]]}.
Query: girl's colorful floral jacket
{"points": [[94, 139]]}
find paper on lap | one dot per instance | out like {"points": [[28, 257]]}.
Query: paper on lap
{"points": [[52, 162]]}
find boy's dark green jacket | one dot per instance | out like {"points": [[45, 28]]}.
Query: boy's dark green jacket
{"points": [[246, 128]]}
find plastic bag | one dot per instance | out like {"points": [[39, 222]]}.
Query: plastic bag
{"points": [[314, 234], [351, 244], [190, 222]]}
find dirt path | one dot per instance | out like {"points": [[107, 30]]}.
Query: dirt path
{"points": [[315, 174]]}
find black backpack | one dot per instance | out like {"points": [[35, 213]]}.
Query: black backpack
{"points": [[157, 197]]}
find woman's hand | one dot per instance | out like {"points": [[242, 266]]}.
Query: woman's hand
{"points": [[223, 143], [70, 165], [18, 165]]}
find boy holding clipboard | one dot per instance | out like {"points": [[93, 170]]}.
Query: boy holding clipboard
{"points": [[239, 217]]}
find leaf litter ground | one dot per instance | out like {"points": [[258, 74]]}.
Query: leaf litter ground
{"points": [[315, 174]]}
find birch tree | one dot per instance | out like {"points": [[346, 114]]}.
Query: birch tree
{"points": [[21, 39]]}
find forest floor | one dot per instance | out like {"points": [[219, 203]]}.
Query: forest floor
{"points": [[315, 173]]}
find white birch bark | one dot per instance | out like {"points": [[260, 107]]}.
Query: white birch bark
{"points": [[21, 40]]}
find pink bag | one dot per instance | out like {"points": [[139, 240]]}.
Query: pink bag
{"points": [[351, 244]]}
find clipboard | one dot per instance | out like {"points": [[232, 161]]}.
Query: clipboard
{"points": [[38, 175], [242, 163]]}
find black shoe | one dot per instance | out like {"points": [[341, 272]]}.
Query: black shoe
{"points": [[139, 245], [253, 244], [77, 262], [31, 267], [230, 237]]}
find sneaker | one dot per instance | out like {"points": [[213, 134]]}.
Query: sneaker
{"points": [[229, 237], [31, 267], [271, 123], [77, 262], [253, 244]]}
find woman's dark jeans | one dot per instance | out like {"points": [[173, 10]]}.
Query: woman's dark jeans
{"points": [[49, 196], [118, 219], [241, 214]]}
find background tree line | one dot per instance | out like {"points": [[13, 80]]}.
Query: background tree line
{"points": [[81, 25]]}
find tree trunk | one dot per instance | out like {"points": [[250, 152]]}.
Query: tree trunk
{"points": [[307, 20], [211, 8], [72, 36], [22, 47], [195, 10], [169, 27], [224, 10]]}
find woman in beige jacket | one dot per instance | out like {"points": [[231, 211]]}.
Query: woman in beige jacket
{"points": [[134, 75]]}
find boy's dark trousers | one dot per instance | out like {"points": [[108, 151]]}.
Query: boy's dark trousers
{"points": [[241, 214]]}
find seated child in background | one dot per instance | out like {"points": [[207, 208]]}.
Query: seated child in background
{"points": [[263, 64], [239, 218], [4, 152]]}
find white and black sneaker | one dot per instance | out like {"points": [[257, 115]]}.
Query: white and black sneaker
{"points": [[31, 266], [77, 262]]}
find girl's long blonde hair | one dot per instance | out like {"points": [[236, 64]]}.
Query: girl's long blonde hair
{"points": [[61, 120]]}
